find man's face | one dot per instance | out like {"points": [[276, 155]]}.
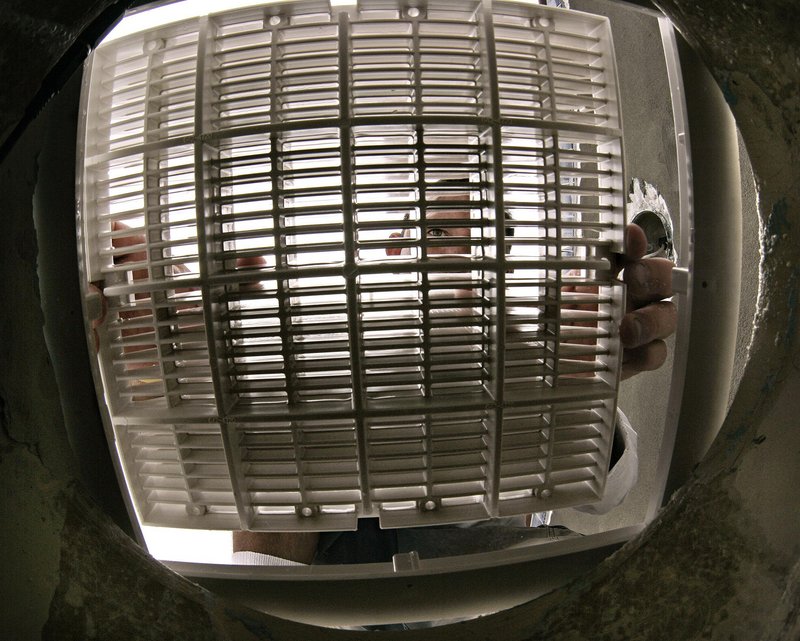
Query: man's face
{"points": [[438, 234]]}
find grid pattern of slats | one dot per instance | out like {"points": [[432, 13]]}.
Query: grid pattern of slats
{"points": [[357, 262], [180, 471]]}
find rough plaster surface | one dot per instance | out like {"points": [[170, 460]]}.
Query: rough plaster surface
{"points": [[750, 259], [36, 36], [77, 613], [720, 562]]}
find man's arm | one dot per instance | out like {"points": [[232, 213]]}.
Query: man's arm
{"points": [[294, 546]]}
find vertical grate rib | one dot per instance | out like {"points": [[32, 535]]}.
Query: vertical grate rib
{"points": [[496, 185], [208, 233], [350, 259]]}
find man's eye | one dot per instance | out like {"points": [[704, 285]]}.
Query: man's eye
{"points": [[437, 232]]}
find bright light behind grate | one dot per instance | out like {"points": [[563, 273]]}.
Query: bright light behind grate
{"points": [[341, 248]]}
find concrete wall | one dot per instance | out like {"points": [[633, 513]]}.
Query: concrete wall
{"points": [[722, 560]]}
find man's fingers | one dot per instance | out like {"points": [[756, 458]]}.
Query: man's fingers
{"points": [[648, 280], [644, 358], [132, 240], [647, 324], [635, 243], [251, 262]]}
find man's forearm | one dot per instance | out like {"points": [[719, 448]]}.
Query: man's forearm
{"points": [[295, 546]]}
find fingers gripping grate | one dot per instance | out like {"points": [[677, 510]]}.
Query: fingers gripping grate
{"points": [[356, 262]]}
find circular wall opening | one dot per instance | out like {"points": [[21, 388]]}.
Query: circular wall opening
{"points": [[758, 346]]}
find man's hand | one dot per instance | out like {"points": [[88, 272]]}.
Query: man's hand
{"points": [[648, 317], [138, 255]]}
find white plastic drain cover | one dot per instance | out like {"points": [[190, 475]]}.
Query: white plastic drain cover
{"points": [[356, 262]]}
